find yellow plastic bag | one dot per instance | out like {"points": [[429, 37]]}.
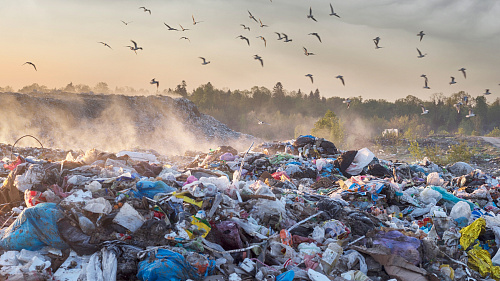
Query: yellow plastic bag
{"points": [[471, 233], [480, 261]]}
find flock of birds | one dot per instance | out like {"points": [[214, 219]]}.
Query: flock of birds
{"points": [[285, 38]]}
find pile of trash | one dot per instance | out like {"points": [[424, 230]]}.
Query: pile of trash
{"points": [[294, 210]]}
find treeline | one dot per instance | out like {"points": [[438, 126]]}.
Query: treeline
{"points": [[364, 117], [287, 114]]}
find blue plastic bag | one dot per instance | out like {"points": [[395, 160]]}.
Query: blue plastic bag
{"points": [[450, 197], [151, 188], [170, 265], [35, 228]]}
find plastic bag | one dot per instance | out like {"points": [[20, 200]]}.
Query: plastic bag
{"points": [[169, 265], [461, 209], [471, 232], [98, 206], [361, 160], [352, 256], [434, 179], [480, 261], [150, 188], [430, 196], [35, 228], [450, 197], [401, 245]]}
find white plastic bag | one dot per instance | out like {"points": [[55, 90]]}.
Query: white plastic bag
{"points": [[461, 209], [430, 196], [361, 160], [99, 206], [434, 179]]}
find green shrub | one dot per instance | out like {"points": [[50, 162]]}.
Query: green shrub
{"points": [[494, 133], [415, 150], [459, 153]]}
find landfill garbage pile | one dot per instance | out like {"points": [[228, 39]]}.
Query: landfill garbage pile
{"points": [[293, 210], [114, 122]]}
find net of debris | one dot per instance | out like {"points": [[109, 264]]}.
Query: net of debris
{"points": [[291, 210]]}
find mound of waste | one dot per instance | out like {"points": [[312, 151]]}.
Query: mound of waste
{"points": [[292, 210], [113, 122]]}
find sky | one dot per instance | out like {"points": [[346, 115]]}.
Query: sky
{"points": [[61, 38]]}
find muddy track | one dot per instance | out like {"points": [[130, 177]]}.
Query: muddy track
{"points": [[494, 141]]}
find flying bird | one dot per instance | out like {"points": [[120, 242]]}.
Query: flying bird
{"points": [[348, 102], [487, 92], [471, 114], [244, 38], [457, 106], [424, 111], [306, 52], [32, 64], [153, 81], [279, 35], [317, 36], [332, 13], [466, 100], [261, 122], [245, 27], [421, 34], [183, 37], [126, 23], [251, 16], [262, 25], [310, 16], [105, 45], [183, 29], [341, 79], [195, 22], [452, 80], [134, 48], [170, 28], [286, 38], [376, 40], [257, 57], [426, 86], [463, 71], [420, 55], [145, 10], [426, 80], [310, 76], [204, 61], [263, 39]]}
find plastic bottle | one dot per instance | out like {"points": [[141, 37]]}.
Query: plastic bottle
{"points": [[86, 225]]}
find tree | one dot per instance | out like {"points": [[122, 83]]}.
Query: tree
{"points": [[69, 88], [329, 127], [181, 89], [101, 88]]}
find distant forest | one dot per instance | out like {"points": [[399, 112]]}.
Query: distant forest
{"points": [[287, 114]]}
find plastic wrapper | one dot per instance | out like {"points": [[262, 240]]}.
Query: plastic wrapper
{"points": [[480, 261], [471, 233]]}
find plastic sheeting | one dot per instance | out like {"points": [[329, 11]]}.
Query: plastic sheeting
{"points": [[35, 228], [170, 265]]}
